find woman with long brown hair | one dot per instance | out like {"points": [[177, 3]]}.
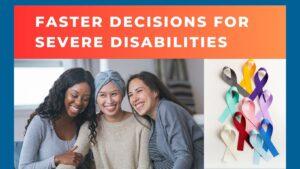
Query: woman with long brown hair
{"points": [[176, 141]]}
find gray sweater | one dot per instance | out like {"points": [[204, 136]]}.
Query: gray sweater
{"points": [[41, 144], [177, 133]]}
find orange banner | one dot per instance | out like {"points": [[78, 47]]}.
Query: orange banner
{"points": [[149, 32]]}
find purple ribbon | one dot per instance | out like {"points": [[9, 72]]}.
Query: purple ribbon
{"points": [[259, 84], [265, 101]]}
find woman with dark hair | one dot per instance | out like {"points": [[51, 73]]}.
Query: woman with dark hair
{"points": [[176, 141], [53, 127]]}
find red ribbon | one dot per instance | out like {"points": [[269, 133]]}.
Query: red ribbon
{"points": [[241, 127]]}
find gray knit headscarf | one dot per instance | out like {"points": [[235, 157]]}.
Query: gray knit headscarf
{"points": [[105, 77]]}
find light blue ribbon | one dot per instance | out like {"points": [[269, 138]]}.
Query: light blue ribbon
{"points": [[257, 143], [266, 136], [232, 99]]}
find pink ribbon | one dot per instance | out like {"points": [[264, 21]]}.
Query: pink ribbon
{"points": [[248, 110]]}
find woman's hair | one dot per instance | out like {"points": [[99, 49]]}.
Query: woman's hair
{"points": [[53, 105], [156, 85]]}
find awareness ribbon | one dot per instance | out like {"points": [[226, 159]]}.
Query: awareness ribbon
{"points": [[248, 71], [266, 136], [228, 136], [241, 127], [229, 76], [232, 99], [265, 100], [257, 143], [248, 110], [259, 84]]}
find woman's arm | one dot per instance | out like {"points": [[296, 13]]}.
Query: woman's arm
{"points": [[179, 137], [82, 144], [144, 161], [31, 145]]}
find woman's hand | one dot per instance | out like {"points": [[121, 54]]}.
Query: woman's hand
{"points": [[69, 158]]}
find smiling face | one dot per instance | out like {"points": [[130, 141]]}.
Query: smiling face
{"points": [[77, 98], [109, 99], [141, 97]]}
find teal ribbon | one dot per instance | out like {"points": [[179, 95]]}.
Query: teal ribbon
{"points": [[259, 152], [232, 99]]}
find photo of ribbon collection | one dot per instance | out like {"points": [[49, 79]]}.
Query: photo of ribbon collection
{"points": [[247, 126]]}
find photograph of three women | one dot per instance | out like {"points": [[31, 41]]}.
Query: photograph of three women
{"points": [[108, 114]]}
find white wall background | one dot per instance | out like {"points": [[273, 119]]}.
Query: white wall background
{"points": [[127, 67], [215, 89]]}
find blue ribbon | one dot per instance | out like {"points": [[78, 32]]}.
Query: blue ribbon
{"points": [[232, 99], [257, 143], [266, 136]]}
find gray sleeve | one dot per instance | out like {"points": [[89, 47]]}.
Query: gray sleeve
{"points": [[173, 121], [32, 141]]}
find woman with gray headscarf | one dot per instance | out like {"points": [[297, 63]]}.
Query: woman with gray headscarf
{"points": [[122, 142]]}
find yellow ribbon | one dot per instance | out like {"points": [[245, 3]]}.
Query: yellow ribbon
{"points": [[248, 71]]}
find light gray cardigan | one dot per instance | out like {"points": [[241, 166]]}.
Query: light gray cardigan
{"points": [[176, 133]]}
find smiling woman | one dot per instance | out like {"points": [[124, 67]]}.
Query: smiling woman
{"points": [[176, 141], [52, 129], [122, 141], [77, 98]]}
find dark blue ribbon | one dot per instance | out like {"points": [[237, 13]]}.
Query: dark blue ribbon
{"points": [[266, 136]]}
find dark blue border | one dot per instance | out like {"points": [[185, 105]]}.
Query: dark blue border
{"points": [[6, 85], [6, 64], [292, 85]]}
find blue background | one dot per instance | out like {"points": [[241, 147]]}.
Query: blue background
{"points": [[7, 64]]}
